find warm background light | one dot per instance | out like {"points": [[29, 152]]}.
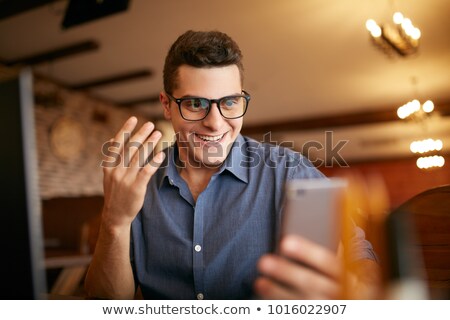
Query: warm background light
{"points": [[414, 106], [428, 106], [398, 18], [373, 28], [426, 146], [416, 34], [429, 162]]}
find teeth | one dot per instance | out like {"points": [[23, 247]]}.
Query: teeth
{"points": [[210, 138]]}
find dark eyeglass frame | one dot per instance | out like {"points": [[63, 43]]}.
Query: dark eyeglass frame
{"points": [[245, 95]]}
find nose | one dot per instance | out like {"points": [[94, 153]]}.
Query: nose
{"points": [[214, 119]]}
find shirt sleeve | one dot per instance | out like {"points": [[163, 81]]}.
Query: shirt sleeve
{"points": [[133, 262], [360, 247], [304, 169]]}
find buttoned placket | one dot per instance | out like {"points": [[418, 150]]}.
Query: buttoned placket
{"points": [[197, 240], [198, 252]]}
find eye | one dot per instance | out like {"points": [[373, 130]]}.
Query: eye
{"points": [[231, 102], [195, 104]]}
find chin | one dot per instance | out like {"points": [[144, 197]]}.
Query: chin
{"points": [[212, 163], [209, 162]]}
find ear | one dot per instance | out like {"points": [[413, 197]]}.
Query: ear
{"points": [[165, 102]]}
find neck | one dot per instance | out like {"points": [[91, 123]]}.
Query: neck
{"points": [[197, 179]]}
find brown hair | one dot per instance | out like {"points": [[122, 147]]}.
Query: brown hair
{"points": [[202, 50]]}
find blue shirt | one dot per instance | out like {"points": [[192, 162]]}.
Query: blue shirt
{"points": [[182, 249]]}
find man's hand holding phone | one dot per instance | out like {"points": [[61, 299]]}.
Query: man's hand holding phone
{"points": [[301, 270], [307, 264]]}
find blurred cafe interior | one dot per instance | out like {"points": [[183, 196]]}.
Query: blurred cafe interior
{"points": [[362, 88]]}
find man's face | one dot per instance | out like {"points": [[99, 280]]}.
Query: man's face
{"points": [[204, 143]]}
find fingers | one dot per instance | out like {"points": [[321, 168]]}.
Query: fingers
{"points": [[134, 152], [135, 145], [149, 169], [124, 132], [311, 254], [269, 289], [304, 270], [143, 148], [115, 146], [291, 279], [127, 150]]}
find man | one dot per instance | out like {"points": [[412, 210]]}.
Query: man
{"points": [[203, 215]]}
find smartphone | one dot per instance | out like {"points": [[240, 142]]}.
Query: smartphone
{"points": [[313, 209]]}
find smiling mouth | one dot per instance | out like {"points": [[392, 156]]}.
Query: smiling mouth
{"points": [[210, 138]]}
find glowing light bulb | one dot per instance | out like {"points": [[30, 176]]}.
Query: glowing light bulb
{"points": [[398, 18], [376, 32], [402, 113], [421, 163], [415, 105], [371, 24], [407, 24], [374, 28], [415, 34], [438, 145], [428, 106]]}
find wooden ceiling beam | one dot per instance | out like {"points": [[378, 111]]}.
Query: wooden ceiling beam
{"points": [[55, 54], [10, 8], [133, 75]]}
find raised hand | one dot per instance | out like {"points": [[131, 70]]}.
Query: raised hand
{"points": [[125, 182]]}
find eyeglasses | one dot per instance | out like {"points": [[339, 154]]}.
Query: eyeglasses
{"points": [[197, 108]]}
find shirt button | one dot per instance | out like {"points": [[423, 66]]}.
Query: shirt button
{"points": [[200, 296], [198, 248]]}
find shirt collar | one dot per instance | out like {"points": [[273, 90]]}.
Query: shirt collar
{"points": [[169, 167], [234, 162]]}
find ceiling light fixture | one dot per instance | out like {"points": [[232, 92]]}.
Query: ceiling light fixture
{"points": [[427, 147], [415, 109], [401, 37]]}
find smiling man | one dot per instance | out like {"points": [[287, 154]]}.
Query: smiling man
{"points": [[200, 219]]}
